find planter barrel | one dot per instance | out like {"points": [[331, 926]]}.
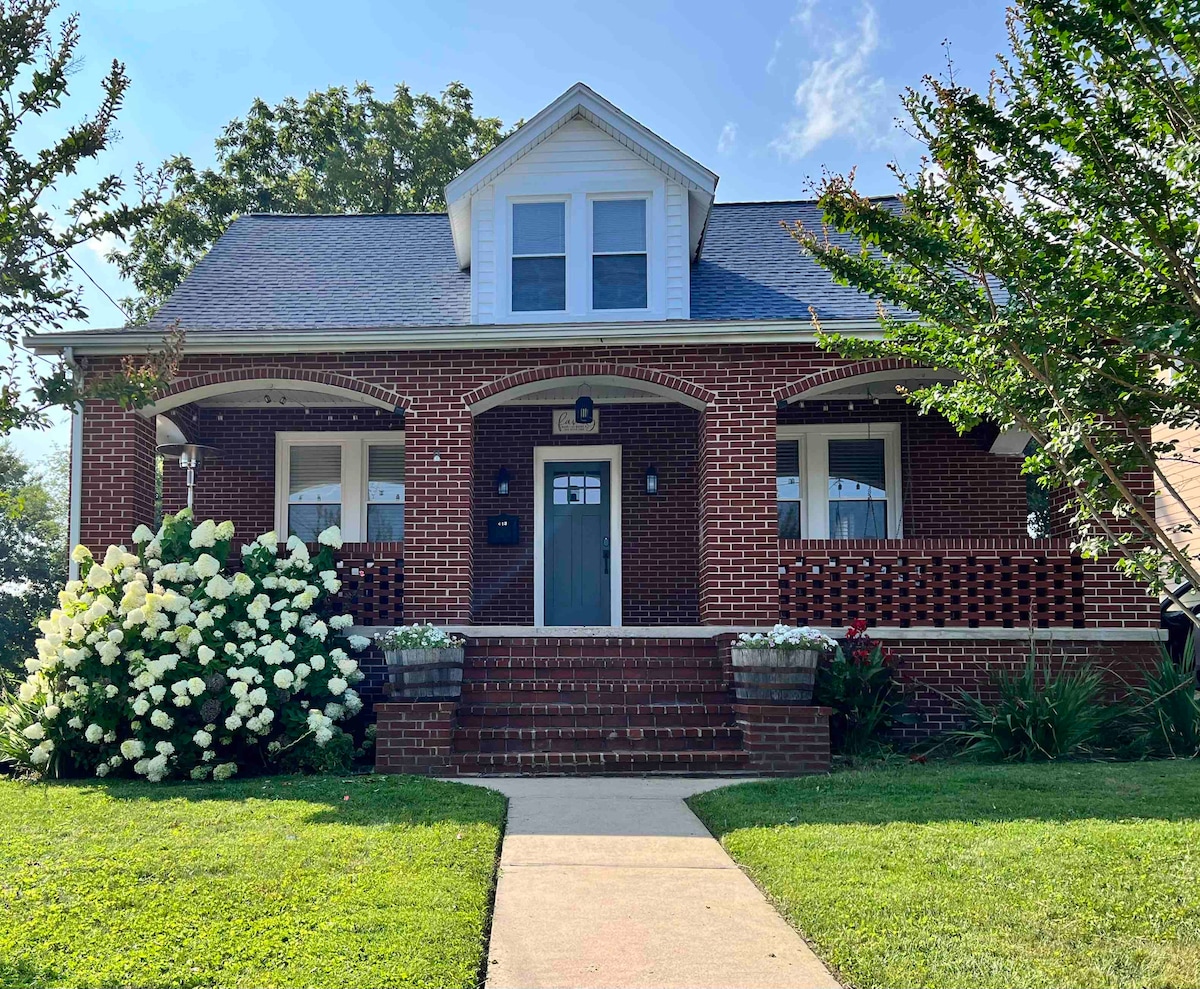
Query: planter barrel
{"points": [[425, 674], [774, 676]]}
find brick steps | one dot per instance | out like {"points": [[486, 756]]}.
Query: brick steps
{"points": [[619, 693], [595, 740], [601, 762], [594, 668], [593, 715]]}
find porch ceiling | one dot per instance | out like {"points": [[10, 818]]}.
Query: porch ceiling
{"points": [[602, 389]]}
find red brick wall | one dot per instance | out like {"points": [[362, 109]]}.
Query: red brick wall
{"points": [[414, 737], [118, 475], [951, 485], [784, 738], [240, 484], [660, 533]]}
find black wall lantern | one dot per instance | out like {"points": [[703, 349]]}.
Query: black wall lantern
{"points": [[502, 482], [583, 410], [652, 480]]}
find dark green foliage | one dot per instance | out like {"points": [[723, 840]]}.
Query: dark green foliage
{"points": [[858, 681], [1166, 714], [1040, 714]]}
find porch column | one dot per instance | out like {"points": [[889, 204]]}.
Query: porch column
{"points": [[437, 514], [739, 546], [117, 479]]}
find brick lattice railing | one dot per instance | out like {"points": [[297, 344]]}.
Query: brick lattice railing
{"points": [[977, 583], [372, 576]]}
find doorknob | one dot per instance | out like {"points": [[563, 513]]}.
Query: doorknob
{"points": [[607, 552]]}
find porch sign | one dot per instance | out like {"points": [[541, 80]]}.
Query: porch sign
{"points": [[565, 424]]}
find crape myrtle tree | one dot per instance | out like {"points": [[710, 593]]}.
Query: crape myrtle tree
{"points": [[1047, 252], [38, 288], [337, 151]]}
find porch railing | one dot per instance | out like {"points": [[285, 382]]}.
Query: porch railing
{"points": [[968, 583], [372, 576]]}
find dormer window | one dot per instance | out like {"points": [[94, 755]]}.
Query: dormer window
{"points": [[539, 257], [619, 269]]}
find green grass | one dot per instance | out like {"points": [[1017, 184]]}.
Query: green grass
{"points": [[262, 882], [950, 875]]}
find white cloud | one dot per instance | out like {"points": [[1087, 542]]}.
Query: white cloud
{"points": [[839, 93], [728, 138], [103, 245]]}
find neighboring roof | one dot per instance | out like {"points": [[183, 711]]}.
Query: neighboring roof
{"points": [[580, 101], [750, 267], [274, 271], [303, 272]]}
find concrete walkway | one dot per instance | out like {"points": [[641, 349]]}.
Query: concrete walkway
{"points": [[614, 884]]}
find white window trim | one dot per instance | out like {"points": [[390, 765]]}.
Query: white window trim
{"points": [[354, 474], [648, 198], [543, 455], [814, 469], [540, 314]]}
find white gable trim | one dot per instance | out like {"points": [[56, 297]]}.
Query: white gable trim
{"points": [[577, 102]]}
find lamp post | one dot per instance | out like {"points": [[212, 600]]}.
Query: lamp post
{"points": [[191, 456]]}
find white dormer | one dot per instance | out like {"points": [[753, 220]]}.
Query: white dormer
{"points": [[580, 215]]}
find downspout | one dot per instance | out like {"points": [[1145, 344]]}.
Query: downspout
{"points": [[76, 487]]}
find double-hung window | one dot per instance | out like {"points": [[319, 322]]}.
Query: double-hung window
{"points": [[839, 481], [619, 269], [539, 257], [352, 480]]}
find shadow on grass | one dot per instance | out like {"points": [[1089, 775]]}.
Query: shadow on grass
{"points": [[362, 801], [21, 973], [945, 792]]}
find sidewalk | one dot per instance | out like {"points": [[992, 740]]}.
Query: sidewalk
{"points": [[614, 883]]}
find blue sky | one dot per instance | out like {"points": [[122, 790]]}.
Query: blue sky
{"points": [[765, 93]]}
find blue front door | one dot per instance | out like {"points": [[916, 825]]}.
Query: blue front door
{"points": [[578, 564]]}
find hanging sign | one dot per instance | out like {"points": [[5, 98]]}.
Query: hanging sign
{"points": [[565, 424]]}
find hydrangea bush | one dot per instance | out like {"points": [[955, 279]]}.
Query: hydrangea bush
{"points": [[161, 663], [787, 637]]}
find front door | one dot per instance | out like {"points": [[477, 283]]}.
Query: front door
{"points": [[578, 569]]}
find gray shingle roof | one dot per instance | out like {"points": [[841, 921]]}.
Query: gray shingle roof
{"points": [[301, 272]]}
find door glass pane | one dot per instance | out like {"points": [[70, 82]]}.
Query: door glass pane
{"points": [[857, 489], [619, 281], [618, 226]]}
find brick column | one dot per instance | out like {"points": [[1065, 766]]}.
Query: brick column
{"points": [[437, 514], [118, 475], [784, 739], [414, 737], [739, 545]]}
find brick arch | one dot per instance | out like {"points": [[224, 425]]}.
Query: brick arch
{"points": [[184, 390], [825, 379], [670, 386]]}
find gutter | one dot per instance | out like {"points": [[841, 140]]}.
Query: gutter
{"points": [[75, 492], [267, 340]]}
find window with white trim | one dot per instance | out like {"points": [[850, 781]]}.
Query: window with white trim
{"points": [[619, 259], [539, 257], [839, 481], [352, 480]]}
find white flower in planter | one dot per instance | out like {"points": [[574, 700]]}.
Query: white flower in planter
{"points": [[787, 637]]}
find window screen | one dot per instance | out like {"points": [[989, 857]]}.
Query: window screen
{"points": [[619, 254], [539, 257], [857, 489], [385, 493], [314, 490]]}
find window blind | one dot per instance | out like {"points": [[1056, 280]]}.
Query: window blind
{"points": [[618, 226], [314, 474], [385, 473]]}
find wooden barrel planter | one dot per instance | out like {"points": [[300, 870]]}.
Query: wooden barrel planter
{"points": [[425, 674], [774, 676]]}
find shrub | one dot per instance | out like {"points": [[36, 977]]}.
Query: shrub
{"points": [[161, 664], [858, 681], [1166, 717], [1040, 714]]}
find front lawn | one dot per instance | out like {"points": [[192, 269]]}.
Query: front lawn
{"points": [[287, 881], [1008, 876]]}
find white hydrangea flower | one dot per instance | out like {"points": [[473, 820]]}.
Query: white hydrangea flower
{"points": [[318, 630], [76, 723], [34, 731], [202, 738], [204, 535], [206, 566], [200, 772], [93, 733], [81, 554], [160, 719], [205, 654], [233, 722], [98, 577], [224, 771], [132, 748], [358, 642], [157, 693], [268, 540], [218, 588], [165, 748], [337, 685], [224, 531], [142, 534], [347, 666], [283, 678], [102, 770], [243, 584], [331, 537]]}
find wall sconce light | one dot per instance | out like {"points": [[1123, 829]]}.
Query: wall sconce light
{"points": [[583, 410], [502, 482], [652, 480]]}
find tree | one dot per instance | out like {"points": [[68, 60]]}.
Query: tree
{"points": [[37, 287], [33, 550], [1047, 252], [336, 152]]}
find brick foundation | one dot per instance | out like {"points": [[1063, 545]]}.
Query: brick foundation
{"points": [[414, 737], [784, 739]]}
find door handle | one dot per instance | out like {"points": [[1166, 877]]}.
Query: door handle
{"points": [[607, 553]]}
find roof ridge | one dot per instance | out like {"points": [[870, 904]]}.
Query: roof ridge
{"points": [[339, 216], [795, 202]]}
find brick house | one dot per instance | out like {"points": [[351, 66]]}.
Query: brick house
{"points": [[581, 418]]}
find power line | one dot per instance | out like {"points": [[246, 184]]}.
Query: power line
{"points": [[87, 275]]}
